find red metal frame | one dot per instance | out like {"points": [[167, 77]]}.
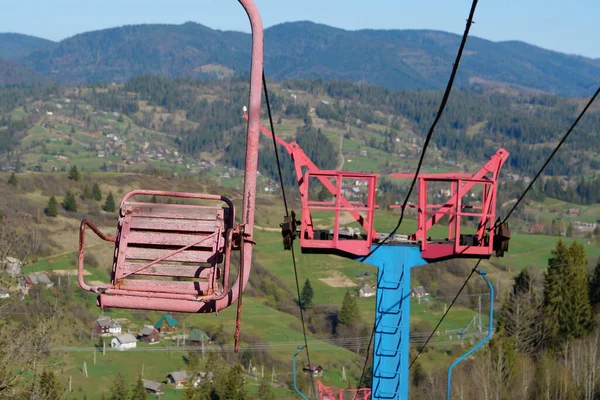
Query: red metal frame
{"points": [[302, 164], [185, 296], [331, 393], [481, 243], [462, 185]]}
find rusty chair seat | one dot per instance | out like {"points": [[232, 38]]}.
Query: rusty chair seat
{"points": [[176, 252]]}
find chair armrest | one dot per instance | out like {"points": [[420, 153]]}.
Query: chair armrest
{"points": [[84, 223]]}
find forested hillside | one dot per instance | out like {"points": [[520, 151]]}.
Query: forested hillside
{"points": [[396, 59], [338, 124], [15, 45]]}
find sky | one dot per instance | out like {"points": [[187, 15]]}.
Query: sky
{"points": [[566, 26]]}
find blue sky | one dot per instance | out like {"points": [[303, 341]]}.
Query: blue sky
{"points": [[565, 26]]}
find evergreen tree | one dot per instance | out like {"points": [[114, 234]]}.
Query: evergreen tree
{"points": [[138, 392], [52, 209], [96, 192], [109, 205], [581, 310], [519, 318], [264, 391], [12, 180], [594, 286], [69, 202], [348, 315], [119, 389], [566, 304], [86, 193], [74, 174], [307, 295], [570, 230], [235, 385], [49, 387]]}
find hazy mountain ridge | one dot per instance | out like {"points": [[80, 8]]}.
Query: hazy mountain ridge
{"points": [[397, 59]]}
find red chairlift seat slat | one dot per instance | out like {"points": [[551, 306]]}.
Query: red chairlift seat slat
{"points": [[173, 252]]}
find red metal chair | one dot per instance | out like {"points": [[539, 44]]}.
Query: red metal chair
{"points": [[171, 257]]}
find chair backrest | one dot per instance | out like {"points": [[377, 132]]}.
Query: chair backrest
{"points": [[169, 248]]}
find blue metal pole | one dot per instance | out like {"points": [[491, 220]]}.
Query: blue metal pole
{"points": [[478, 345], [392, 319], [294, 369]]}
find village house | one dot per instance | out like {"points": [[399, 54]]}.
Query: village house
{"points": [[123, 342], [39, 278], [418, 292], [315, 370], [181, 379], [4, 293], [12, 267], [197, 337], [149, 335], [572, 212], [106, 326], [153, 387], [167, 324], [366, 291]]}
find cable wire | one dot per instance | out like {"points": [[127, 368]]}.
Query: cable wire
{"points": [[287, 216], [564, 138], [433, 125], [446, 313], [521, 197], [425, 145]]}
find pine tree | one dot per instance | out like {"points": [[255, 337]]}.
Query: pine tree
{"points": [[264, 391], [12, 180], [235, 385], [109, 205], [74, 174], [96, 192], [348, 315], [520, 315], [49, 387], [566, 305], [138, 392], [86, 193], [69, 202], [119, 389], [594, 286], [306, 297], [581, 310], [570, 230], [52, 209]]}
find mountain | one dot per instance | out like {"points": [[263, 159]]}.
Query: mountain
{"points": [[12, 74], [397, 59], [15, 45]]}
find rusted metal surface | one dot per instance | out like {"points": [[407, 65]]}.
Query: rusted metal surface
{"points": [[331, 393], [238, 319], [184, 241]]}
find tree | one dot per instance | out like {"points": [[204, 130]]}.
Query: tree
{"points": [[594, 286], [52, 209], [235, 385], [348, 315], [74, 174], [119, 389], [570, 230], [519, 318], [49, 387], [86, 193], [138, 392], [264, 391], [12, 180], [307, 295], [69, 202], [566, 304], [96, 192], [109, 205]]}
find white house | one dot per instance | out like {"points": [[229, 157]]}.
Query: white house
{"points": [[418, 292], [366, 291], [4, 294], [124, 342], [106, 326]]}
